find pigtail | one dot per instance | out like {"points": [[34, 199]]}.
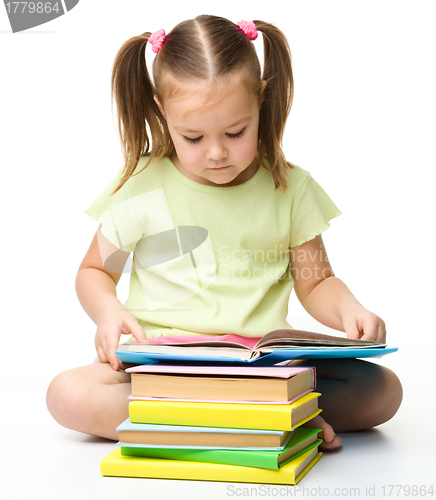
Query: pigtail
{"points": [[136, 108], [278, 95]]}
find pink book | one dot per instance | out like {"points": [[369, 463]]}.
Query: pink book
{"points": [[252, 371], [193, 339], [238, 371]]}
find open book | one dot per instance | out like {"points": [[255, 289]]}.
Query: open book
{"points": [[244, 348]]}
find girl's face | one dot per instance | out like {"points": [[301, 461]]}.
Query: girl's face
{"points": [[215, 142]]}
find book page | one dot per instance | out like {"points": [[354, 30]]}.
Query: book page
{"points": [[301, 338]]}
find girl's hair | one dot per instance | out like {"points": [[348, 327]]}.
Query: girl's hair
{"points": [[204, 49]]}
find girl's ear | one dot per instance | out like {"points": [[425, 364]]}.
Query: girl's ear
{"points": [[262, 92], [159, 105]]}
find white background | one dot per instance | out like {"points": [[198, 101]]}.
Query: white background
{"points": [[363, 123]]}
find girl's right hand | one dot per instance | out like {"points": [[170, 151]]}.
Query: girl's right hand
{"points": [[109, 331]]}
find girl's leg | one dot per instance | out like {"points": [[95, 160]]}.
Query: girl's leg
{"points": [[90, 399], [355, 395]]}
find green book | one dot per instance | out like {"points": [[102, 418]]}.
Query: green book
{"points": [[302, 440]]}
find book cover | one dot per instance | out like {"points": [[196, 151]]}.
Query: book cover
{"points": [[241, 348], [180, 436], [116, 464], [267, 371], [276, 339], [145, 398], [301, 441], [266, 359], [234, 415], [222, 383]]}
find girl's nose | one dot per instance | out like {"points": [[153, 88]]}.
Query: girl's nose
{"points": [[216, 151]]}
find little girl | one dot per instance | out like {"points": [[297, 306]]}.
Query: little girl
{"points": [[221, 226]]}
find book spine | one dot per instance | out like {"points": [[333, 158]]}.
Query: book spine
{"points": [[117, 465], [271, 417], [248, 458], [242, 416]]}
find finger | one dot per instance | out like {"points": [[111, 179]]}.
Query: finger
{"points": [[101, 355], [370, 334], [112, 346], [371, 329], [99, 343], [382, 334], [139, 335], [134, 328], [352, 331], [115, 362]]}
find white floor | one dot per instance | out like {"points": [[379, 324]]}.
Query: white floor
{"points": [[45, 461]]}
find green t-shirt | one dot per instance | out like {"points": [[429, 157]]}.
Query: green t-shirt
{"points": [[210, 260]]}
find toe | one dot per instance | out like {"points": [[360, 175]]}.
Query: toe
{"points": [[331, 445]]}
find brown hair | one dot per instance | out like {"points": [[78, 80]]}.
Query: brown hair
{"points": [[206, 48]]}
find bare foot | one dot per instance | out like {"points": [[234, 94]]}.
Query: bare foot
{"points": [[330, 440]]}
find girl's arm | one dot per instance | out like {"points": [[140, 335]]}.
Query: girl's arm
{"points": [[96, 289], [326, 298]]}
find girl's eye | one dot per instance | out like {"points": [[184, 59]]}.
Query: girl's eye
{"points": [[192, 141], [197, 139], [236, 136]]}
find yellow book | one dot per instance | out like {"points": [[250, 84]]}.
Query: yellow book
{"points": [[280, 417], [119, 465]]}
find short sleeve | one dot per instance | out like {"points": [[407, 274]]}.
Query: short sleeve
{"points": [[311, 212], [117, 215]]}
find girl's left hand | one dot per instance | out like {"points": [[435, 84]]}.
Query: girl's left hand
{"points": [[359, 323]]}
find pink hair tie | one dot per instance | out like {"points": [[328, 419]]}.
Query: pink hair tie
{"points": [[156, 39], [249, 28]]}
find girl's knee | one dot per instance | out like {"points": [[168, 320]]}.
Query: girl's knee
{"points": [[57, 396], [66, 398], [387, 397], [393, 393], [69, 393]]}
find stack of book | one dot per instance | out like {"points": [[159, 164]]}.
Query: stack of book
{"points": [[218, 423]]}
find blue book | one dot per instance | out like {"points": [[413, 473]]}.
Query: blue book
{"points": [[269, 359], [201, 438], [272, 348]]}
